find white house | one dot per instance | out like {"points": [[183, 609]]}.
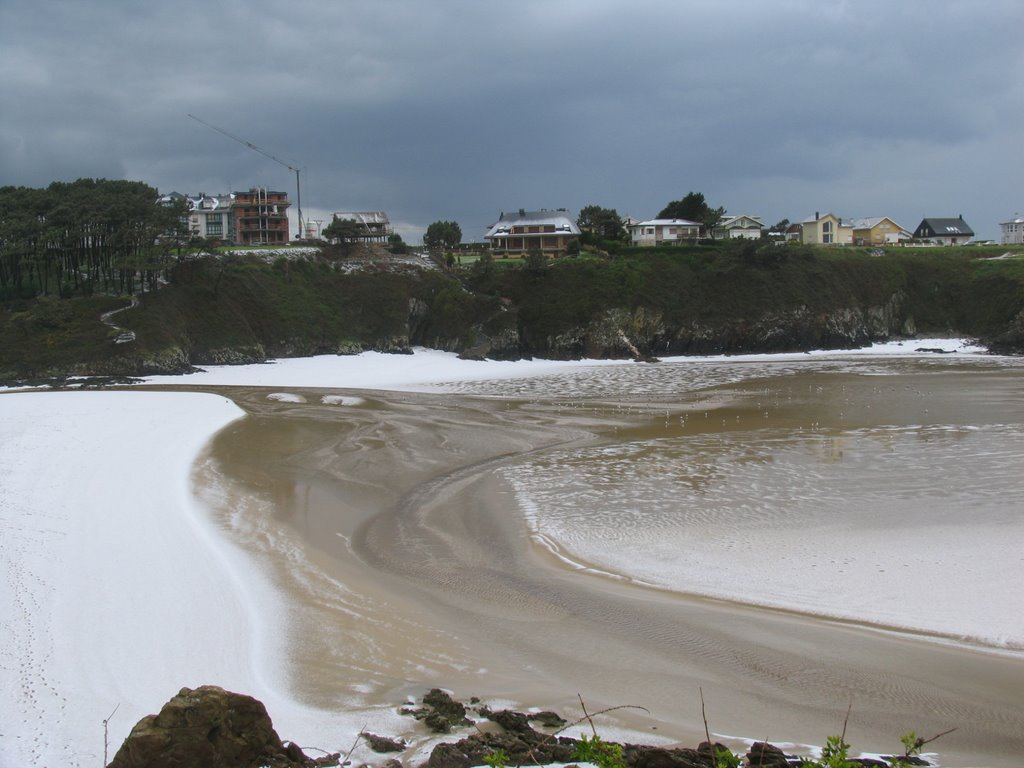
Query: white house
{"points": [[744, 226], [211, 216], [1012, 231], [657, 231]]}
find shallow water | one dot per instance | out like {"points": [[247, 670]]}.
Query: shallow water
{"points": [[416, 534], [841, 492]]}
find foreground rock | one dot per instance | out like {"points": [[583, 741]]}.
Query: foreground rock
{"points": [[209, 727], [213, 728], [440, 712]]}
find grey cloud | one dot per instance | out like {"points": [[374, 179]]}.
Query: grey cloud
{"points": [[457, 109]]}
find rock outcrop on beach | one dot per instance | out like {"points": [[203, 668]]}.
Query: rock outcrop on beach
{"points": [[1011, 340], [440, 712], [214, 728]]}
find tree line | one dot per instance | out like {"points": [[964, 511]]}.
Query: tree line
{"points": [[74, 238]]}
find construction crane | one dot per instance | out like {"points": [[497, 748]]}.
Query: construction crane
{"points": [[254, 148]]}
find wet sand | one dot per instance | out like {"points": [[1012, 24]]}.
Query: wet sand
{"points": [[408, 565]]}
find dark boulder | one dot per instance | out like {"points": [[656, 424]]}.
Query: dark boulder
{"points": [[449, 756], [208, 727], [514, 722], [766, 755], [547, 719], [658, 757], [383, 743], [521, 748], [440, 712]]}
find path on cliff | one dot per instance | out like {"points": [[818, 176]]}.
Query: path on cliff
{"points": [[124, 335]]}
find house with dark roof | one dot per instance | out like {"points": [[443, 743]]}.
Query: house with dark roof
{"points": [[943, 231], [516, 234]]}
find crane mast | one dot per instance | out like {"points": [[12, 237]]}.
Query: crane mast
{"points": [[279, 161]]}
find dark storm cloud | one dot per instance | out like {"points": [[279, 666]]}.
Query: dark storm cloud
{"points": [[457, 109]]}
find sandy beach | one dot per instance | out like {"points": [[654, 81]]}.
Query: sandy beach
{"points": [[117, 590], [365, 545], [475, 603]]}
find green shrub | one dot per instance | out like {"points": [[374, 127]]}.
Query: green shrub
{"points": [[497, 759], [601, 753]]}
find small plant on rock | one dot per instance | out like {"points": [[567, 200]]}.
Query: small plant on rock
{"points": [[836, 753], [912, 744], [601, 753], [726, 759], [497, 759]]}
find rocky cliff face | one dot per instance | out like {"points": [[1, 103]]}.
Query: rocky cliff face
{"points": [[627, 308], [639, 334], [644, 333], [1011, 341], [798, 329]]}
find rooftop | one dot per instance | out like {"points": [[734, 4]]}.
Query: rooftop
{"points": [[363, 217], [558, 218], [668, 223], [941, 227]]}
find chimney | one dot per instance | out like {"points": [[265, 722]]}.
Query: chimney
{"points": [[817, 215], [522, 211]]}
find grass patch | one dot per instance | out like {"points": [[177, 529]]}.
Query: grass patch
{"points": [[47, 336]]}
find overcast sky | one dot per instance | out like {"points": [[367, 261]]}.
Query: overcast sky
{"points": [[460, 109]]}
